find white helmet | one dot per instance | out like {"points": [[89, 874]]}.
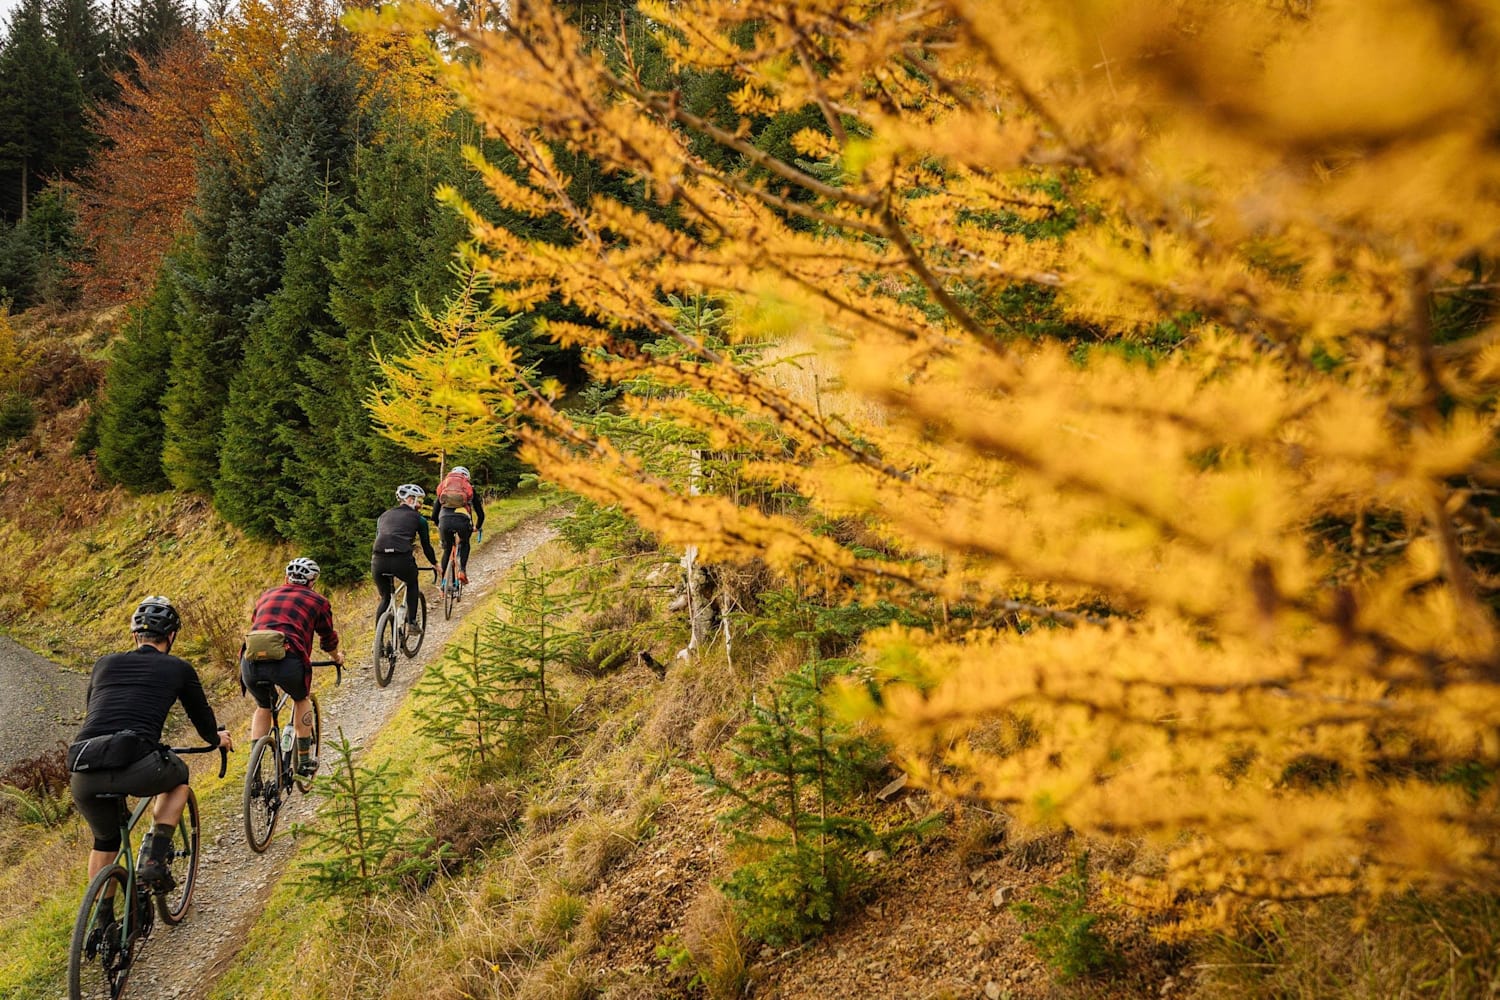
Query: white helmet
{"points": [[459, 470], [302, 570], [409, 491]]}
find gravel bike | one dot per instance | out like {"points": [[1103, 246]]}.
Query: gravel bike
{"points": [[392, 632], [116, 916], [451, 585], [273, 770]]}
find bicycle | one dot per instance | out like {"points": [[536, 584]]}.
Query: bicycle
{"points": [[103, 950], [391, 632], [451, 585], [273, 770]]}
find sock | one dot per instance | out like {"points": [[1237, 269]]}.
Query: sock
{"points": [[161, 839], [304, 748], [106, 912]]}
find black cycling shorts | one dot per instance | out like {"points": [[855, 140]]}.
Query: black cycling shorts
{"points": [[262, 677], [158, 771]]}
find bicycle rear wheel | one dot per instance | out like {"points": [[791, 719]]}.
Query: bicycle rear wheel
{"points": [[305, 783], [412, 641], [385, 647], [182, 862], [262, 801], [99, 959], [450, 588]]}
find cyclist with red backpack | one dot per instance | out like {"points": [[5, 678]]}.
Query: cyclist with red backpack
{"points": [[459, 512]]}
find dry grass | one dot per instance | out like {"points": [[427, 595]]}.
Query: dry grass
{"points": [[1411, 947], [720, 954]]}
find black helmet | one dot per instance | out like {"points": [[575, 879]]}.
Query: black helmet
{"points": [[155, 616]]}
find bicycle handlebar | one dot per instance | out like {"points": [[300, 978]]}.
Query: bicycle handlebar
{"points": [[338, 676], [223, 754]]}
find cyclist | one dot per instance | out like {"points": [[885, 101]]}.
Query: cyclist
{"points": [[452, 505], [294, 611], [118, 749], [396, 534]]}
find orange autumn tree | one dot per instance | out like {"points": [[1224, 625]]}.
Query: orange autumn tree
{"points": [[133, 200], [1163, 337]]}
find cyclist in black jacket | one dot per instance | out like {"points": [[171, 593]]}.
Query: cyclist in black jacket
{"points": [[119, 747], [396, 534]]}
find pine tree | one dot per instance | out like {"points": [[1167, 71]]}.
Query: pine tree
{"points": [[130, 418], [258, 487], [80, 34], [154, 26], [42, 130], [394, 252], [304, 143]]}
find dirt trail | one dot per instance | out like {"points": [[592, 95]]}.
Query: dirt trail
{"points": [[183, 962]]}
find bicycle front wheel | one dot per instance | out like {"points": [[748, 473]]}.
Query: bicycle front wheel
{"points": [[262, 801], [305, 782], [99, 957], [385, 648], [182, 862], [412, 641]]}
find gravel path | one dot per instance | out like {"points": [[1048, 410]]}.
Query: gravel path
{"points": [[40, 702], [183, 962]]}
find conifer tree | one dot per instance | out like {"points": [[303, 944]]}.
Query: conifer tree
{"points": [[304, 142], [259, 487], [42, 129], [394, 252], [80, 34], [130, 416]]}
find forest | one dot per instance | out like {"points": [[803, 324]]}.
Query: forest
{"points": [[1074, 420]]}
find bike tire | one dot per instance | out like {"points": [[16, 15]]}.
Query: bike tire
{"points": [[304, 784], [103, 974], [412, 641], [262, 798], [182, 862], [385, 647], [450, 597]]}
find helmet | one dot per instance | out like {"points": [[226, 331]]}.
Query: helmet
{"points": [[155, 616], [302, 570], [459, 470], [409, 491]]}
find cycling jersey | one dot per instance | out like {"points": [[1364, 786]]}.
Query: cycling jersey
{"points": [[399, 529], [136, 690], [296, 611]]}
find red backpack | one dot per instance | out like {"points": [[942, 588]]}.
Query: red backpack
{"points": [[455, 492]]}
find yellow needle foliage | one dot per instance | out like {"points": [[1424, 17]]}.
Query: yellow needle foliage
{"points": [[1249, 575]]}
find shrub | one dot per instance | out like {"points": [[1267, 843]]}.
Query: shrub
{"points": [[17, 416], [36, 788], [1062, 929]]}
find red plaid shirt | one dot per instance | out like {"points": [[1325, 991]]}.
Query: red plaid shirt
{"points": [[297, 611]]}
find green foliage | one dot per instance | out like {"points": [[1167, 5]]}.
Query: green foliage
{"points": [[259, 485], [130, 418], [365, 847], [793, 894], [785, 614], [17, 416], [1062, 929], [792, 766], [486, 703]]}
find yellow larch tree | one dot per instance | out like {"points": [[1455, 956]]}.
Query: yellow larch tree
{"points": [[1224, 532]]}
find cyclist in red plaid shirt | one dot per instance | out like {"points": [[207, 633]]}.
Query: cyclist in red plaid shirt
{"points": [[297, 612]]}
